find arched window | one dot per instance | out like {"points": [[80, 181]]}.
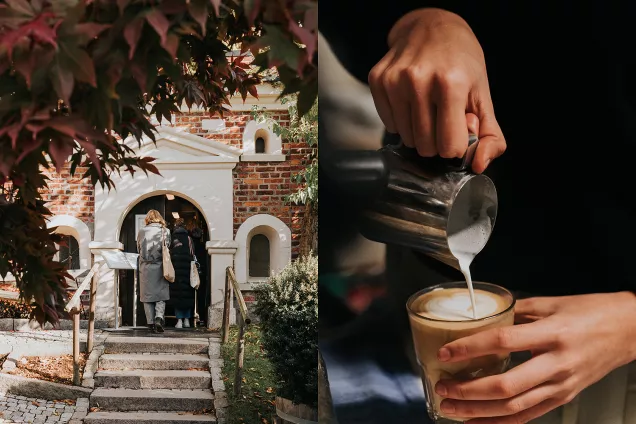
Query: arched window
{"points": [[68, 252], [259, 256], [259, 146]]}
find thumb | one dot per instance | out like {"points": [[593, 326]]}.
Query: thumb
{"points": [[492, 143]]}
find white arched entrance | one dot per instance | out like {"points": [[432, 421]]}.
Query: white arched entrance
{"points": [[192, 167]]}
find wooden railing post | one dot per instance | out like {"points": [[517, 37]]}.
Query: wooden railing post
{"points": [[226, 309], [76, 348], [240, 354], [91, 313]]}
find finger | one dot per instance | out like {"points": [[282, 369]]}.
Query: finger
{"points": [[526, 319], [536, 306], [400, 106], [451, 131], [378, 92], [513, 382], [516, 338], [423, 119], [492, 143], [522, 417], [472, 123], [500, 407]]}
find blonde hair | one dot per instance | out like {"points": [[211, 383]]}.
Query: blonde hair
{"points": [[154, 217]]}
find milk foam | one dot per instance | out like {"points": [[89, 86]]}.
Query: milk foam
{"points": [[458, 306]]}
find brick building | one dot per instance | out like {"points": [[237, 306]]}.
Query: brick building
{"points": [[227, 178]]}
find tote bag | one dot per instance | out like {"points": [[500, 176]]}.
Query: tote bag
{"points": [[194, 268], [168, 269]]}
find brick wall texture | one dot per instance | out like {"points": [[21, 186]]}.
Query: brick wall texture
{"points": [[259, 187]]}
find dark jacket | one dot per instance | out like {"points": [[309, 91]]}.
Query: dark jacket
{"points": [[181, 293]]}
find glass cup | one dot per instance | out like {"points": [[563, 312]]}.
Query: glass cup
{"points": [[429, 335]]}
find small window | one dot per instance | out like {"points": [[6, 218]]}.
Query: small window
{"points": [[259, 146], [259, 256], [68, 252]]}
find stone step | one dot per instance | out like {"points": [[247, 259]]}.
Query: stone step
{"points": [[123, 400], [138, 361], [115, 344], [153, 379], [147, 417]]}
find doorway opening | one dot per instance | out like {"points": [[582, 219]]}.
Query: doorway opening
{"points": [[171, 207]]}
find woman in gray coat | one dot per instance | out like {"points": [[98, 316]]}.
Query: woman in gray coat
{"points": [[154, 289]]}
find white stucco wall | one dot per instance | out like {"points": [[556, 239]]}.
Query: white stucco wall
{"points": [[279, 236], [69, 225]]}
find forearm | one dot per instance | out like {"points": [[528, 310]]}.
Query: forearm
{"points": [[630, 337]]}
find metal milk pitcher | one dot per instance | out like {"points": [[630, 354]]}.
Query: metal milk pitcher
{"points": [[414, 201]]}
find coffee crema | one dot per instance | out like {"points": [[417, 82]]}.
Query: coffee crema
{"points": [[456, 305]]}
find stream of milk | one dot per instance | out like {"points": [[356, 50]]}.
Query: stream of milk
{"points": [[465, 244]]}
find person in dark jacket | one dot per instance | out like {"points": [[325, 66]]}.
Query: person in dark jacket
{"points": [[181, 293]]}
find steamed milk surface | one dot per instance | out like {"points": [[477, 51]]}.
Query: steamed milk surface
{"points": [[456, 304]]}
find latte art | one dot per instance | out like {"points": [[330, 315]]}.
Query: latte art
{"points": [[458, 306]]}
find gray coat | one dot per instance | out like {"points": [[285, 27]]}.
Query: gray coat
{"points": [[152, 286]]}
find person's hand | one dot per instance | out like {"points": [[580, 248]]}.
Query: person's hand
{"points": [[432, 77], [575, 341]]}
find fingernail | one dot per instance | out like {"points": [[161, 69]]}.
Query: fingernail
{"points": [[447, 407], [441, 389], [443, 354], [488, 161]]}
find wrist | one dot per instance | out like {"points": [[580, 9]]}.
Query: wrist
{"points": [[630, 338], [428, 18]]}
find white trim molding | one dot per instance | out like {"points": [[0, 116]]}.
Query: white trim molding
{"points": [[177, 148], [262, 157], [273, 143], [71, 226], [279, 236]]}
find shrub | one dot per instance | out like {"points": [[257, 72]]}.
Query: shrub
{"points": [[13, 309], [288, 309]]}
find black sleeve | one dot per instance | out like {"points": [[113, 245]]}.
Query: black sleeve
{"points": [[357, 30]]}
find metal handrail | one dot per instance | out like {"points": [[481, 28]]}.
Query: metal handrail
{"points": [[230, 282]]}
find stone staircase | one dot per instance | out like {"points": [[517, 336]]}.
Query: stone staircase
{"points": [[153, 380]]}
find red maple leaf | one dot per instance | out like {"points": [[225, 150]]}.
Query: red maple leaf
{"points": [[37, 30]]}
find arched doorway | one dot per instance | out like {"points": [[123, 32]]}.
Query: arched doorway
{"points": [[171, 206]]}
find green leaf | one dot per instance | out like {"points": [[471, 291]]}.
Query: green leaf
{"points": [[282, 49], [306, 97]]}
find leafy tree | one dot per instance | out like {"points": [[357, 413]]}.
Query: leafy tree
{"points": [[77, 76], [301, 129]]}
